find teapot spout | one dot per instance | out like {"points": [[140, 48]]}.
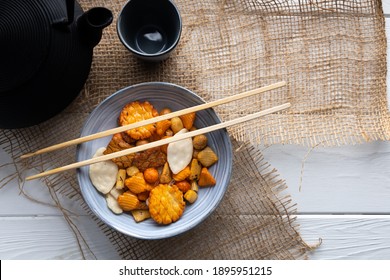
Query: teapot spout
{"points": [[92, 23]]}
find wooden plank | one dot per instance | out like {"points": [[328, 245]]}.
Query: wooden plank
{"points": [[387, 26], [386, 7], [13, 202], [351, 179], [348, 179], [50, 237], [343, 237], [347, 237]]}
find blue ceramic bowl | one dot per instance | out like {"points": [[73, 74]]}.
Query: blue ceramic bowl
{"points": [[160, 95]]}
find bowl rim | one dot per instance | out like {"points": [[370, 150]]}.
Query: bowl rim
{"points": [[108, 222]]}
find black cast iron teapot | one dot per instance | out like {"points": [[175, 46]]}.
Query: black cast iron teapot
{"points": [[46, 49]]}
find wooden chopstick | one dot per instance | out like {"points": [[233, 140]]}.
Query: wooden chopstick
{"points": [[161, 142], [154, 120]]}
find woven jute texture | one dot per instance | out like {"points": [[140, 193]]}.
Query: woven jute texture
{"points": [[332, 54]]}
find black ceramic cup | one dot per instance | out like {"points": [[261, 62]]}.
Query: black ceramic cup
{"points": [[150, 29]]}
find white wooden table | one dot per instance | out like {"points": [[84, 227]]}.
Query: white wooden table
{"points": [[344, 199]]}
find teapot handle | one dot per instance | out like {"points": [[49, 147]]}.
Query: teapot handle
{"points": [[64, 22], [70, 11]]}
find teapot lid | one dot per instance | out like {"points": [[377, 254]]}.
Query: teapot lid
{"points": [[24, 37]]}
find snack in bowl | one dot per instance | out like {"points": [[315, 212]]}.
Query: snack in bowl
{"points": [[205, 199], [139, 183], [137, 111]]}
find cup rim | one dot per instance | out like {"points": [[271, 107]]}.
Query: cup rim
{"points": [[149, 55]]}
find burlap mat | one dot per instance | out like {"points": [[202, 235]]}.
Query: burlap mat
{"points": [[332, 54]]}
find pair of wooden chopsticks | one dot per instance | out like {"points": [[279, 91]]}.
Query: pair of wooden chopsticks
{"points": [[154, 120]]}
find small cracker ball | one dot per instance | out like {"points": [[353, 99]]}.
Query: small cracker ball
{"points": [[138, 111], [151, 175], [103, 174], [166, 204], [179, 153], [200, 142]]}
